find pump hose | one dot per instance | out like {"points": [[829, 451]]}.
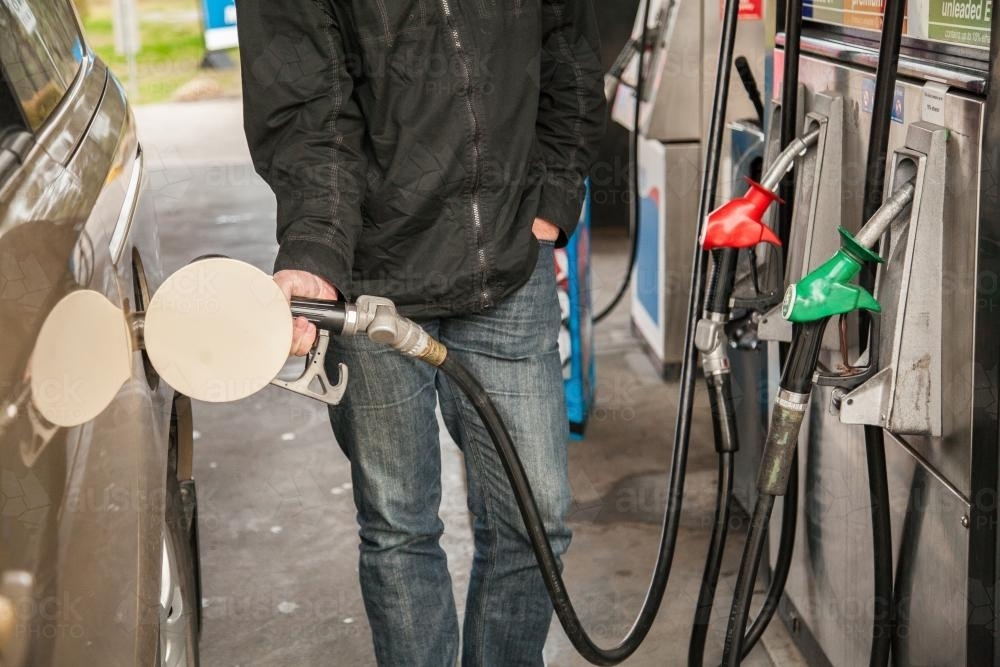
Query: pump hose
{"points": [[775, 474], [503, 442], [753, 551], [878, 485], [783, 562], [635, 196], [547, 562], [713, 562]]}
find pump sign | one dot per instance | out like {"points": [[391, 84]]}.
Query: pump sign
{"points": [[964, 22], [750, 10], [220, 24], [960, 21]]}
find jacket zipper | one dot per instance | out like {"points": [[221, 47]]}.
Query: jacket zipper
{"points": [[477, 220]]}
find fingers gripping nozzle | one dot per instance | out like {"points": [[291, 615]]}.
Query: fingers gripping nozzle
{"points": [[739, 223]]}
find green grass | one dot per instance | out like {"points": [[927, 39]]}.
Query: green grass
{"points": [[171, 48]]}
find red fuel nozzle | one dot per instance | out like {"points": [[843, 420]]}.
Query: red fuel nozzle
{"points": [[738, 223]]}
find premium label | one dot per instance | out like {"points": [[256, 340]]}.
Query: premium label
{"points": [[864, 14]]}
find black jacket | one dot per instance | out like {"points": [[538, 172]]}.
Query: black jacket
{"points": [[411, 143]]}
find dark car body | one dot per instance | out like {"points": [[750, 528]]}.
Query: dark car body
{"points": [[98, 562]]}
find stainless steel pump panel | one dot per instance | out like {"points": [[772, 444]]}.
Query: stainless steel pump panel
{"points": [[926, 388], [906, 396]]}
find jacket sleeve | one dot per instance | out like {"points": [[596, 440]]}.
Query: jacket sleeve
{"points": [[305, 131], [571, 111]]}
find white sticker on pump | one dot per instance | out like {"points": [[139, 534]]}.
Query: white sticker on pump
{"points": [[932, 104]]}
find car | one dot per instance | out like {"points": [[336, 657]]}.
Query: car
{"points": [[98, 522]]}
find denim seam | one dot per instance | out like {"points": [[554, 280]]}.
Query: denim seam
{"points": [[494, 535]]}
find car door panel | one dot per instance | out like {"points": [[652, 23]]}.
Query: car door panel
{"points": [[90, 529]]}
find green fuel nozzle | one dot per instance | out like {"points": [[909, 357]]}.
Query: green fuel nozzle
{"points": [[827, 291]]}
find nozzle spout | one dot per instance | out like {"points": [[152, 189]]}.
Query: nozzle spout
{"points": [[786, 159], [889, 211]]}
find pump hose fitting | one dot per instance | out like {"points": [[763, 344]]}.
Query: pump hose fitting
{"points": [[782, 437]]}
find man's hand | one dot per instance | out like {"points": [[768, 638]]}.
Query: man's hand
{"points": [[309, 286], [544, 230]]}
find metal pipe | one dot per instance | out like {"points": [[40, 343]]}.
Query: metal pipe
{"points": [[878, 223], [786, 159]]}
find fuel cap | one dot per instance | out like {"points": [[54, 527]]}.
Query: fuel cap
{"points": [[82, 357], [218, 330]]}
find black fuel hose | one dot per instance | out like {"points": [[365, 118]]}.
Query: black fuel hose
{"points": [[722, 281], [783, 562], [775, 472], [789, 109], [713, 562], [719, 292], [788, 130], [484, 407], [635, 210], [878, 485], [750, 85], [738, 645], [547, 562]]}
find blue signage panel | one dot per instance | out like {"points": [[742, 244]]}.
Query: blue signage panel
{"points": [[220, 24]]}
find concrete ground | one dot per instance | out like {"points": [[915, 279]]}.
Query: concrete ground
{"points": [[279, 542]]}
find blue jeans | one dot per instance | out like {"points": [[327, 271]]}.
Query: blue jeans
{"points": [[387, 427]]}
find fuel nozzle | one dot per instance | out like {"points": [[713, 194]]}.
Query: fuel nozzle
{"points": [[376, 318], [822, 294], [739, 223], [827, 291]]}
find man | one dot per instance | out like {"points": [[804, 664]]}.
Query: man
{"points": [[433, 152]]}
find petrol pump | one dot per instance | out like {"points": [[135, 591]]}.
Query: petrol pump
{"points": [[920, 372], [681, 41]]}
